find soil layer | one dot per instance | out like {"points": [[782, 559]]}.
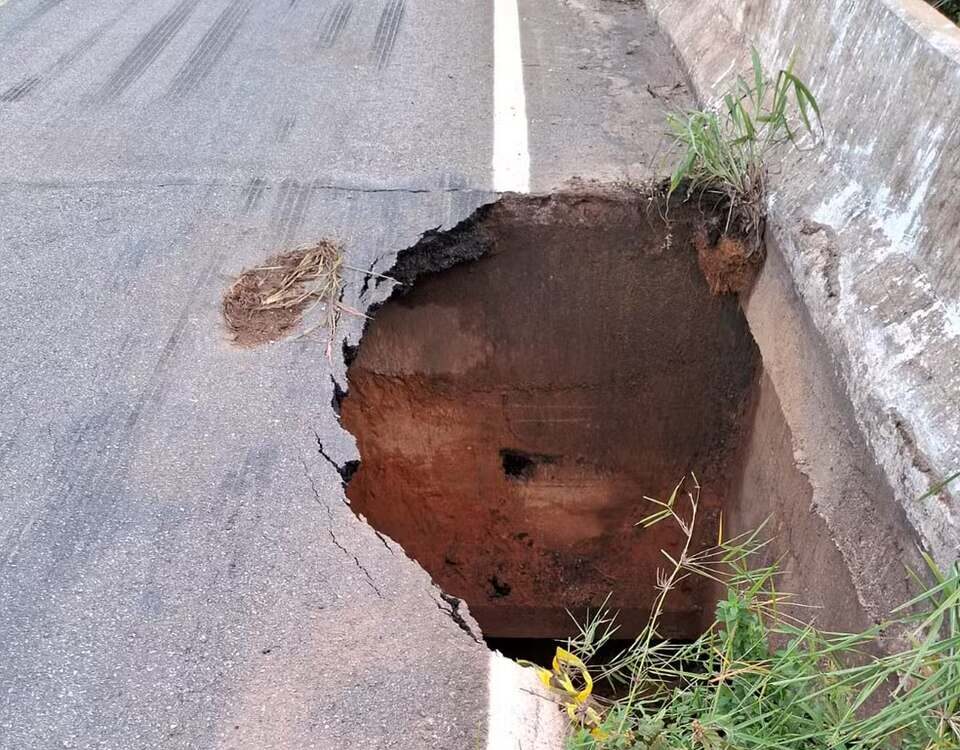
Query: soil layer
{"points": [[512, 412], [727, 265]]}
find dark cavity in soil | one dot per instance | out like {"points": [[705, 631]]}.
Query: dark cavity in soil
{"points": [[544, 366]]}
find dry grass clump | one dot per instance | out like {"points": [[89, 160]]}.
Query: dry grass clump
{"points": [[268, 302]]}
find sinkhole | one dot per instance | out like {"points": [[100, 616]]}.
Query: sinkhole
{"points": [[539, 370]]}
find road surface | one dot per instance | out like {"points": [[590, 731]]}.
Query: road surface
{"points": [[177, 566]]}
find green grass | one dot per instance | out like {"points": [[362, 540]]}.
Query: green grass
{"points": [[723, 150], [761, 677]]}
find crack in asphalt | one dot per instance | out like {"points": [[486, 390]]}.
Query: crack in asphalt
{"points": [[333, 537], [337, 467], [368, 276], [452, 610], [346, 470], [369, 578], [383, 539]]}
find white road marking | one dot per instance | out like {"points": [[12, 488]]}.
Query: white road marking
{"points": [[511, 157], [519, 715]]}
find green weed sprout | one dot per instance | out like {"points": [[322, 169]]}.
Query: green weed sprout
{"points": [[724, 149], [763, 678]]}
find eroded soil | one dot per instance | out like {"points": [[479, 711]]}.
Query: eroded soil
{"points": [[513, 410]]}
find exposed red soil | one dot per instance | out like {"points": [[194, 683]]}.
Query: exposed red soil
{"points": [[512, 412], [247, 323], [728, 266]]}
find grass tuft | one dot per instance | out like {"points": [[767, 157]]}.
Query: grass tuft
{"points": [[724, 149], [761, 677]]}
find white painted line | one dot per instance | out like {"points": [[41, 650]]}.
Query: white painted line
{"points": [[520, 716], [511, 156]]}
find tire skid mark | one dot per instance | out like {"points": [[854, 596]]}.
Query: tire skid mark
{"points": [[19, 90], [31, 83], [253, 194], [90, 462], [84, 444], [211, 48], [128, 261], [285, 125], [91, 473], [250, 480], [333, 23], [84, 450], [287, 193], [304, 199], [158, 382], [293, 200], [386, 36], [147, 50], [43, 7]]}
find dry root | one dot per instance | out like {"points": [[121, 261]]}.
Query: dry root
{"points": [[268, 302]]}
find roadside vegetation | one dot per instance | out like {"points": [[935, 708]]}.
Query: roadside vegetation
{"points": [[762, 677], [724, 149]]}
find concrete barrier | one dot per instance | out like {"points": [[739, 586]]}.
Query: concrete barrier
{"points": [[864, 252]]}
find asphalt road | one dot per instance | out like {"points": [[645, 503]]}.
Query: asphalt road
{"points": [[177, 566]]}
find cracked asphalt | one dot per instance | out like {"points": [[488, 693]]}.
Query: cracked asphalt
{"points": [[178, 567]]}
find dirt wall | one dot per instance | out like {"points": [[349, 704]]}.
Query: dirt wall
{"points": [[836, 518], [512, 412], [771, 491]]}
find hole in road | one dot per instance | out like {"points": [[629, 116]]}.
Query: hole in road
{"points": [[557, 359]]}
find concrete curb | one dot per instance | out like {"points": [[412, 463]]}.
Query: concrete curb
{"points": [[520, 714], [863, 225]]}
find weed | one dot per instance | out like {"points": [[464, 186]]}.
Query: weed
{"points": [[937, 488], [724, 150], [761, 677]]}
